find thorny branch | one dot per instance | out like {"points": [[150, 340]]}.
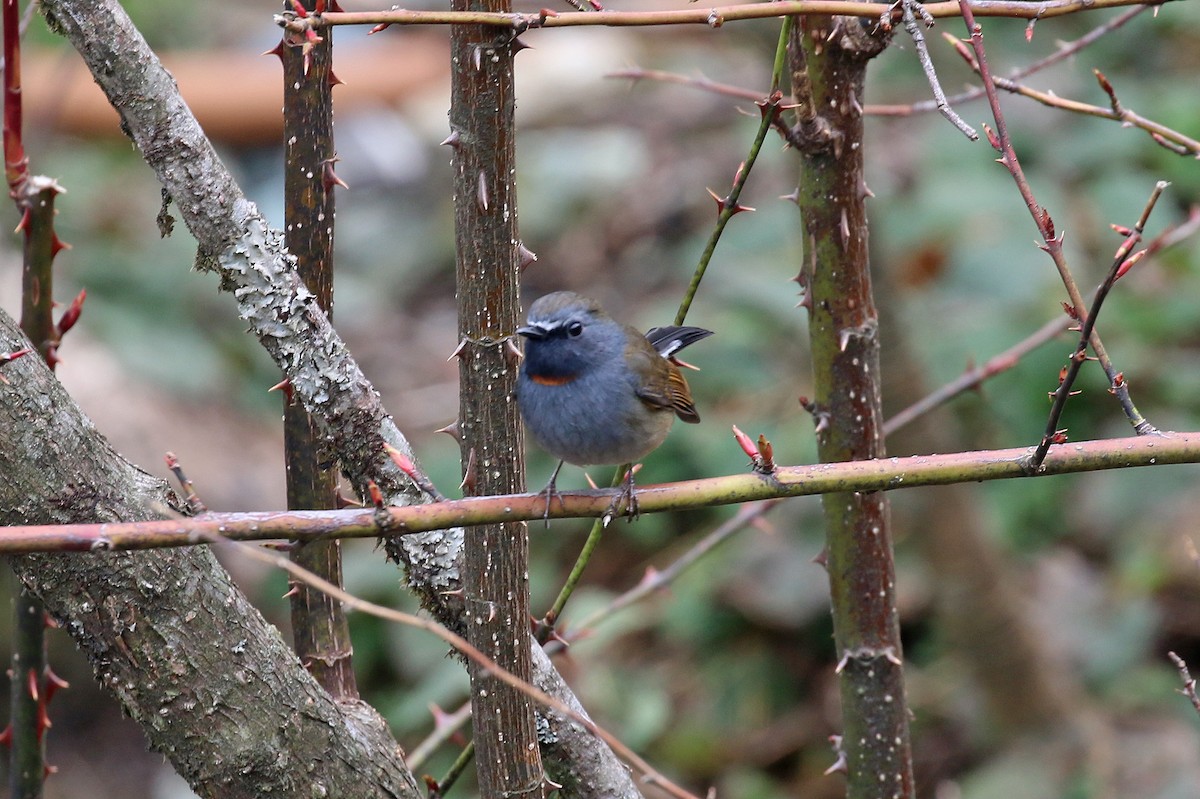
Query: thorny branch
{"points": [[1167, 137], [351, 602], [1002, 142], [1124, 259], [1162, 135], [713, 17], [883, 474], [1065, 50]]}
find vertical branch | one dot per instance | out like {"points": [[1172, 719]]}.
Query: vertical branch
{"points": [[320, 632], [832, 58], [495, 577], [32, 680]]}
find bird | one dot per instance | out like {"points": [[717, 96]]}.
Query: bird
{"points": [[594, 391]]}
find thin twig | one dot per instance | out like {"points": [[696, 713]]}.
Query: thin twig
{"points": [[729, 205], [939, 96], [1123, 260], [1052, 239], [657, 580], [1064, 51], [1171, 139], [1189, 684], [445, 726], [458, 642], [976, 375], [710, 16]]}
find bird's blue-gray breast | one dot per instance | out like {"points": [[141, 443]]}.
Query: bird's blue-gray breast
{"points": [[579, 399]]}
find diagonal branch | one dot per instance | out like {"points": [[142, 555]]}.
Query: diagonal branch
{"points": [[1052, 238]]}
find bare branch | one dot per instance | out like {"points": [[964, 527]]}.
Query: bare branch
{"points": [[713, 17], [884, 474]]}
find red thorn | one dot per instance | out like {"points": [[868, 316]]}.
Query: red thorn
{"points": [[334, 80], [31, 685], [57, 245], [71, 316], [329, 178], [459, 350], [1070, 311], [451, 430], [5, 357], [381, 27], [54, 683], [24, 223], [285, 385], [6, 736], [469, 481], [299, 8], [333, 6], [525, 256], [720, 201], [277, 50], [293, 590]]}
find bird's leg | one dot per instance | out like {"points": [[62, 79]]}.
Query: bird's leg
{"points": [[551, 491], [625, 502]]}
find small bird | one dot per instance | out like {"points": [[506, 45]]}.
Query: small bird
{"points": [[594, 391]]}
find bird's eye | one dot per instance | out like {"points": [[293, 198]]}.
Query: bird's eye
{"points": [[574, 329]]}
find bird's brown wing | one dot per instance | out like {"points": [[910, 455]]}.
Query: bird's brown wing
{"points": [[667, 389]]}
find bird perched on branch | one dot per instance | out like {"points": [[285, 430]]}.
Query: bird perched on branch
{"points": [[594, 391]]}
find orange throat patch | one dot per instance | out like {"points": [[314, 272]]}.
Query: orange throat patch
{"points": [[552, 380]]}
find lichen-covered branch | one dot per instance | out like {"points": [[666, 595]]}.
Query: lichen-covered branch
{"points": [[214, 687]]}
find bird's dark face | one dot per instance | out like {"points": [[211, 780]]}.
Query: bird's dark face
{"points": [[566, 335]]}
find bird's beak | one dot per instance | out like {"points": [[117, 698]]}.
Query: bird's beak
{"points": [[534, 331]]}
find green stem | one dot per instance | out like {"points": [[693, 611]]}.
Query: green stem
{"points": [[581, 562], [730, 205]]}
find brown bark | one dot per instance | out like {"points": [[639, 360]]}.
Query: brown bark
{"points": [[320, 632], [496, 577], [829, 66]]}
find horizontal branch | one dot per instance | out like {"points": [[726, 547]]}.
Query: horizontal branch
{"points": [[793, 481], [713, 16]]}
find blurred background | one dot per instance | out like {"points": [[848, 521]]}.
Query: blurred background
{"points": [[1037, 614]]}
